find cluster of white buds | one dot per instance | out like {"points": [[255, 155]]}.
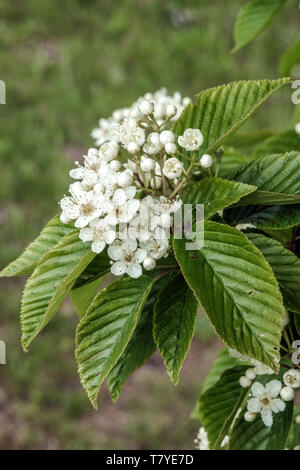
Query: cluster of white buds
{"points": [[202, 442], [128, 190], [159, 105], [269, 399]]}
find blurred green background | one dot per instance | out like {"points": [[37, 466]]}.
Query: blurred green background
{"points": [[66, 63]]}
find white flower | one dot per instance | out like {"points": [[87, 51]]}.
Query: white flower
{"points": [[100, 233], [109, 151], [206, 161], [129, 131], [191, 139], [152, 145], [261, 369], [265, 400], [92, 162], [82, 206], [287, 393], [127, 257], [122, 209], [201, 441], [297, 128], [291, 378], [156, 248], [104, 132], [173, 168]]}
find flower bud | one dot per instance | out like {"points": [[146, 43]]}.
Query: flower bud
{"points": [[166, 137], [244, 382], [133, 147], [109, 151], [170, 148], [206, 160], [287, 394], [146, 107], [125, 179], [147, 164], [171, 111], [115, 165], [250, 374], [149, 263], [249, 416]]}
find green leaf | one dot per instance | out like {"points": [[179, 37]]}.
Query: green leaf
{"points": [[53, 232], [50, 283], [294, 434], [216, 404], [105, 330], [82, 296], [290, 58], [230, 160], [276, 177], [287, 141], [297, 323], [237, 289], [215, 194], [140, 347], [98, 267], [223, 362], [220, 111], [174, 323], [285, 265], [257, 436], [265, 217], [246, 140], [252, 19]]}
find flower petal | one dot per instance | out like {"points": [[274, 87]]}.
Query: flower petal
{"points": [[273, 388], [134, 270], [277, 405], [254, 405], [86, 234], [118, 268], [266, 415], [258, 389], [98, 246]]}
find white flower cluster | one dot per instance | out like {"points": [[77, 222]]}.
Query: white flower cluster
{"points": [[297, 128], [163, 106], [202, 442], [126, 192], [270, 398]]}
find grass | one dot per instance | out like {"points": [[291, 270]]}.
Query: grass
{"points": [[66, 64]]}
